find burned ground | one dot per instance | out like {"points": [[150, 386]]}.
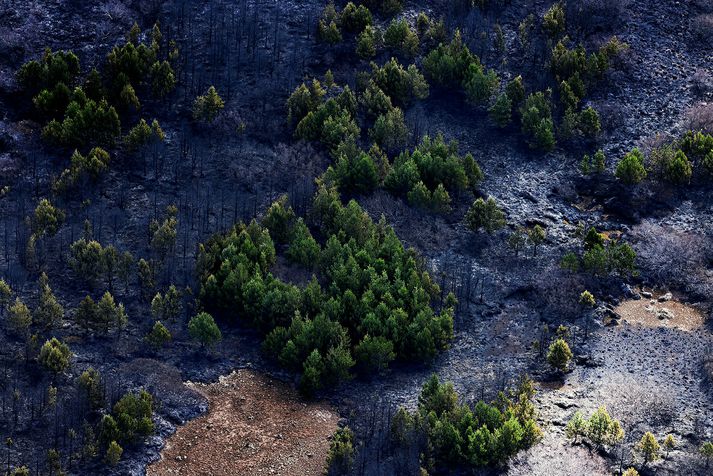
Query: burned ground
{"points": [[255, 53]]}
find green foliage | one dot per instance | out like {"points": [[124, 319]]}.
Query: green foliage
{"points": [[83, 169], [537, 236], [485, 215], [438, 168], [612, 258], [373, 287], [588, 122], [158, 336], [132, 414], [630, 169], [357, 173], [586, 299], [142, 134], [553, 22], [280, 220], [91, 385], [401, 85], [53, 68], [102, 315], [501, 111], [470, 437], [390, 131], [576, 427], [54, 356], [387, 7], [53, 102], [113, 453], [374, 354], [669, 443], [367, 42], [168, 306], [203, 329], [375, 101], [447, 65], [478, 84], [304, 99], [649, 448], [207, 107], [679, 169], [85, 120], [401, 37], [163, 233], [515, 91], [90, 260], [331, 123], [163, 80], [601, 429], [5, 293], [517, 240], [341, 451], [49, 312], [697, 145], [328, 29], [559, 355], [595, 164], [47, 218], [19, 318], [537, 125], [303, 248], [354, 19], [706, 450]]}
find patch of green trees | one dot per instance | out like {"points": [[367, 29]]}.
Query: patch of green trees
{"points": [[601, 256], [85, 112], [460, 436], [373, 301], [431, 171], [600, 429]]}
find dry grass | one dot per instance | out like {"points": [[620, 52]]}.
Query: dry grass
{"points": [[254, 425], [644, 312]]}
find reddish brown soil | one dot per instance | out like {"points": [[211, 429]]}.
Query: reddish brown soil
{"points": [[254, 426]]}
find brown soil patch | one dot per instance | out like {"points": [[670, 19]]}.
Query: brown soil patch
{"points": [[647, 312], [254, 426]]}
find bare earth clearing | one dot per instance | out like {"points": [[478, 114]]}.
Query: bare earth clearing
{"points": [[254, 425]]}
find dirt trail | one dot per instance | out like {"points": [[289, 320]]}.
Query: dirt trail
{"points": [[255, 425]]}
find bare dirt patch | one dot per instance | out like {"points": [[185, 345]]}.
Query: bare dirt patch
{"points": [[254, 425], [653, 313]]}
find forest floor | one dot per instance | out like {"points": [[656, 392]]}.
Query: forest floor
{"points": [[254, 426]]}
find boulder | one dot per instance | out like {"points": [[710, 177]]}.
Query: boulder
{"points": [[665, 297], [664, 313]]}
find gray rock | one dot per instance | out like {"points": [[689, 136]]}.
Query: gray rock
{"points": [[664, 313], [665, 297]]}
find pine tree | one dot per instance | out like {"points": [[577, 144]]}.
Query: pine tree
{"points": [[485, 215], [207, 107], [49, 312], [559, 355], [19, 318], [517, 240], [537, 236], [158, 336], [649, 448], [202, 328], [501, 111], [630, 169]]}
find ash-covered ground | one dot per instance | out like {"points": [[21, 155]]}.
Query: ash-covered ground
{"points": [[255, 53]]}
